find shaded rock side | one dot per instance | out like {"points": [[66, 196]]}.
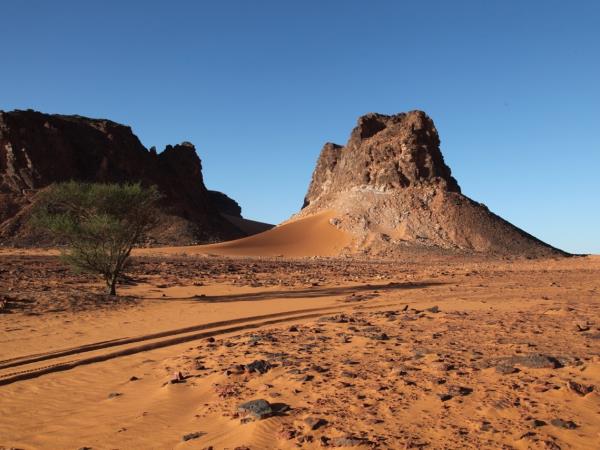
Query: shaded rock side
{"points": [[225, 204], [38, 149]]}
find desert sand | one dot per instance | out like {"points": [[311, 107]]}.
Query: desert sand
{"points": [[420, 352]]}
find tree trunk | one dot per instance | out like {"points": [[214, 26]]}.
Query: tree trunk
{"points": [[112, 286]]}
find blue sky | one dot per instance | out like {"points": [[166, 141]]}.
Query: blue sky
{"points": [[259, 86]]}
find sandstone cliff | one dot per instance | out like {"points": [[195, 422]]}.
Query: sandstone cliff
{"points": [[38, 149], [391, 189]]}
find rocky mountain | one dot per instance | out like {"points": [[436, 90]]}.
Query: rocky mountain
{"points": [[392, 191], [38, 149]]}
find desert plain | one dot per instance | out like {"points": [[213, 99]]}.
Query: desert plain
{"points": [[425, 351]]}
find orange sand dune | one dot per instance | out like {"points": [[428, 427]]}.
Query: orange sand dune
{"points": [[310, 236]]}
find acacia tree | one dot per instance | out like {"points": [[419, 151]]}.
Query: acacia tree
{"points": [[100, 223]]}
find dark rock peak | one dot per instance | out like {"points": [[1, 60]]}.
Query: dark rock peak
{"points": [[183, 160], [370, 124], [225, 204], [38, 149]]}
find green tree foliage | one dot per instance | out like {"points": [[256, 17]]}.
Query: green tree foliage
{"points": [[100, 223]]}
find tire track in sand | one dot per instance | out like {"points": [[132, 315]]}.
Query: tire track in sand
{"points": [[124, 347]]}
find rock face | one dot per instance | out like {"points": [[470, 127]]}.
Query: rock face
{"points": [[38, 149], [384, 153], [225, 204], [392, 190]]}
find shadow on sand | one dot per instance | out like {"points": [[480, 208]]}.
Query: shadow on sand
{"points": [[313, 292]]}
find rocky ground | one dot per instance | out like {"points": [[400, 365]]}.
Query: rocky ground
{"points": [[411, 378], [440, 353], [41, 284]]}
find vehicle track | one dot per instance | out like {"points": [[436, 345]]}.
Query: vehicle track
{"points": [[59, 360], [28, 359]]}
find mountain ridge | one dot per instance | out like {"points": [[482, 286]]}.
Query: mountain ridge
{"points": [[38, 149]]}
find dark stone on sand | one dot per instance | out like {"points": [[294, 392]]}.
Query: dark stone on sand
{"points": [[460, 390], [190, 436], [528, 435], [258, 409], [506, 369], [579, 389], [178, 377], [314, 423], [259, 366], [380, 337], [306, 378], [348, 441], [534, 361], [551, 445], [567, 424]]}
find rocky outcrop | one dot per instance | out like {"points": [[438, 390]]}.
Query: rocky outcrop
{"points": [[392, 190], [384, 153], [225, 204], [323, 174], [38, 149]]}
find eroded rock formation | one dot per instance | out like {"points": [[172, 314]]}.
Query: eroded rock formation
{"points": [[38, 149], [390, 188], [384, 153]]}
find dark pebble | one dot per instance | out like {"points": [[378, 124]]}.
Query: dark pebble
{"points": [[567, 424]]}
